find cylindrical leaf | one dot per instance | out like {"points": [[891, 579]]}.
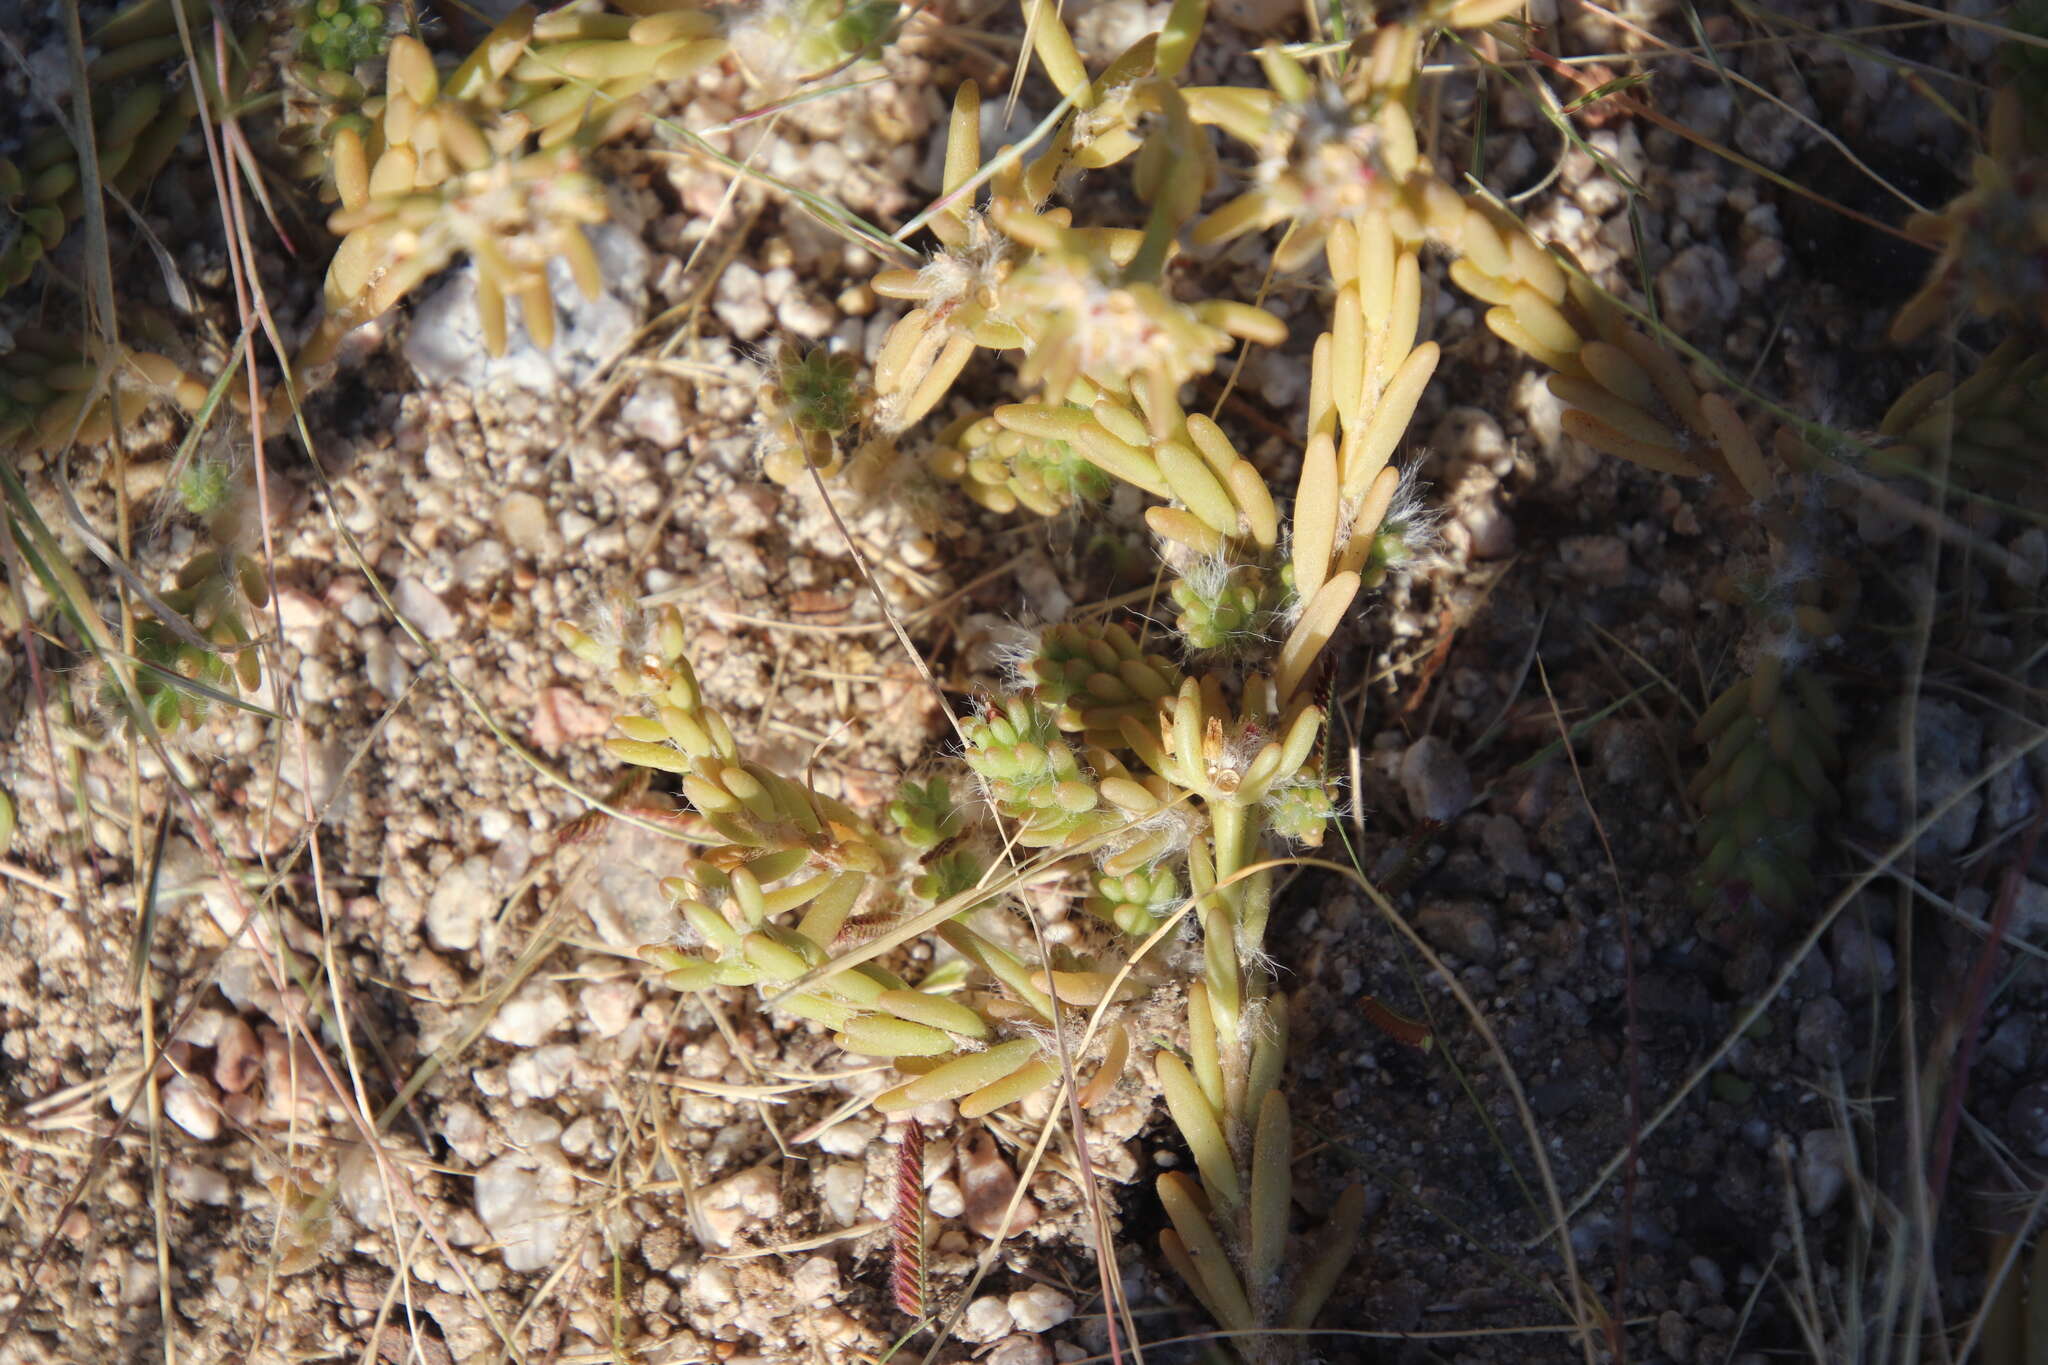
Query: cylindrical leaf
{"points": [[1197, 1120]]}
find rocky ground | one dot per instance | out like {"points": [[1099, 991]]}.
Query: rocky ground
{"points": [[511, 1144]]}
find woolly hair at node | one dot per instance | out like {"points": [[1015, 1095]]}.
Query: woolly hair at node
{"points": [[1012, 655], [617, 622], [1176, 822], [1411, 520]]}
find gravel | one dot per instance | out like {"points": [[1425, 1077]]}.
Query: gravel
{"points": [[501, 497], [1948, 753]]}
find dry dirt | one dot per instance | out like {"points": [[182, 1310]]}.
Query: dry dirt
{"points": [[535, 1153]]}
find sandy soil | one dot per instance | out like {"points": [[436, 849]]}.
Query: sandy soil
{"points": [[504, 1141]]}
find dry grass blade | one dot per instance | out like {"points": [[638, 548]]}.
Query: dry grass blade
{"points": [[1132, 770]]}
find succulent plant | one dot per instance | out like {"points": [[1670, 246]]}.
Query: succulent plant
{"points": [[814, 400], [1150, 778], [1992, 239], [339, 37]]}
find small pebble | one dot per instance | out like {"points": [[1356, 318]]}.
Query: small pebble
{"points": [[609, 1006], [1491, 528], [532, 1128], [462, 901], [581, 1137], [1040, 1308], [541, 1073], [711, 1284], [189, 1103], [1435, 779], [466, 1132], [530, 1016], [188, 1183], [383, 669], [850, 1137], [1020, 1348], [237, 1057], [1948, 751], [1863, 961], [1822, 1034], [2027, 1119], [2012, 1042], [653, 414], [1461, 927], [526, 1210], [523, 518], [748, 1199], [1502, 838], [986, 1319], [1697, 289], [424, 609], [815, 1281], [480, 565], [945, 1199], [739, 301], [987, 1185], [1823, 1168], [1675, 1336], [841, 1186], [1599, 560], [1707, 1272]]}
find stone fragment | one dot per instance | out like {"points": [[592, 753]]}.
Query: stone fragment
{"points": [[609, 1006], [1508, 847], [747, 1199], [237, 1056], [987, 1185], [1697, 289], [1435, 779], [841, 1186], [1948, 747], [1823, 1168], [189, 1183], [479, 566], [189, 1102], [1599, 560], [1040, 1308], [462, 900], [1020, 1348], [529, 1017], [986, 1319], [428, 613], [1461, 927], [524, 1203], [2026, 1119], [541, 1073], [815, 1280], [1822, 1034], [523, 519]]}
